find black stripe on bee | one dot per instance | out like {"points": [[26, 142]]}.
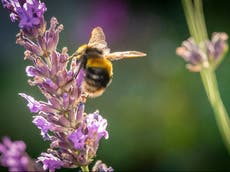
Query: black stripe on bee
{"points": [[97, 77], [93, 52]]}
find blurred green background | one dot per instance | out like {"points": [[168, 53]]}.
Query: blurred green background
{"points": [[158, 114]]}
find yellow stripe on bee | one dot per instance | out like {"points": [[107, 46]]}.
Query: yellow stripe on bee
{"points": [[81, 50], [101, 63]]}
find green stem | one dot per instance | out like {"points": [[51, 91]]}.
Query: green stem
{"points": [[195, 19], [199, 18], [211, 87], [85, 168], [188, 10]]}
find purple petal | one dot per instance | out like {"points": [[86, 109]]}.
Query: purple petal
{"points": [[90, 132], [13, 17], [80, 78], [80, 111], [78, 138], [32, 71], [51, 84], [55, 103], [33, 105], [42, 124], [65, 100], [50, 161], [95, 121]]}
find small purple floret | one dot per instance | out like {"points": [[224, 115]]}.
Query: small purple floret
{"points": [[33, 105], [42, 124], [50, 162], [92, 130]]}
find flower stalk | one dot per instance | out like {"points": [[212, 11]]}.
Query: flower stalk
{"points": [[210, 83], [85, 168], [209, 58]]}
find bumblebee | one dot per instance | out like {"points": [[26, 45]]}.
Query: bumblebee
{"points": [[95, 59]]}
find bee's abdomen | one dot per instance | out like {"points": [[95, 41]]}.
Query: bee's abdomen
{"points": [[97, 77]]}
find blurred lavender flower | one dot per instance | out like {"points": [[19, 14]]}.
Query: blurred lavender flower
{"points": [[192, 54], [14, 157], [74, 135], [101, 167], [29, 13], [208, 53], [217, 47]]}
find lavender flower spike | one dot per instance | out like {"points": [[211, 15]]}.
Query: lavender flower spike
{"points": [[74, 135], [29, 13]]}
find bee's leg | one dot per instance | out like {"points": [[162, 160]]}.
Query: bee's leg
{"points": [[78, 67], [73, 56], [82, 99], [81, 62]]}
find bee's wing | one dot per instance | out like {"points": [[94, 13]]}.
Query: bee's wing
{"points": [[97, 40], [124, 54]]}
